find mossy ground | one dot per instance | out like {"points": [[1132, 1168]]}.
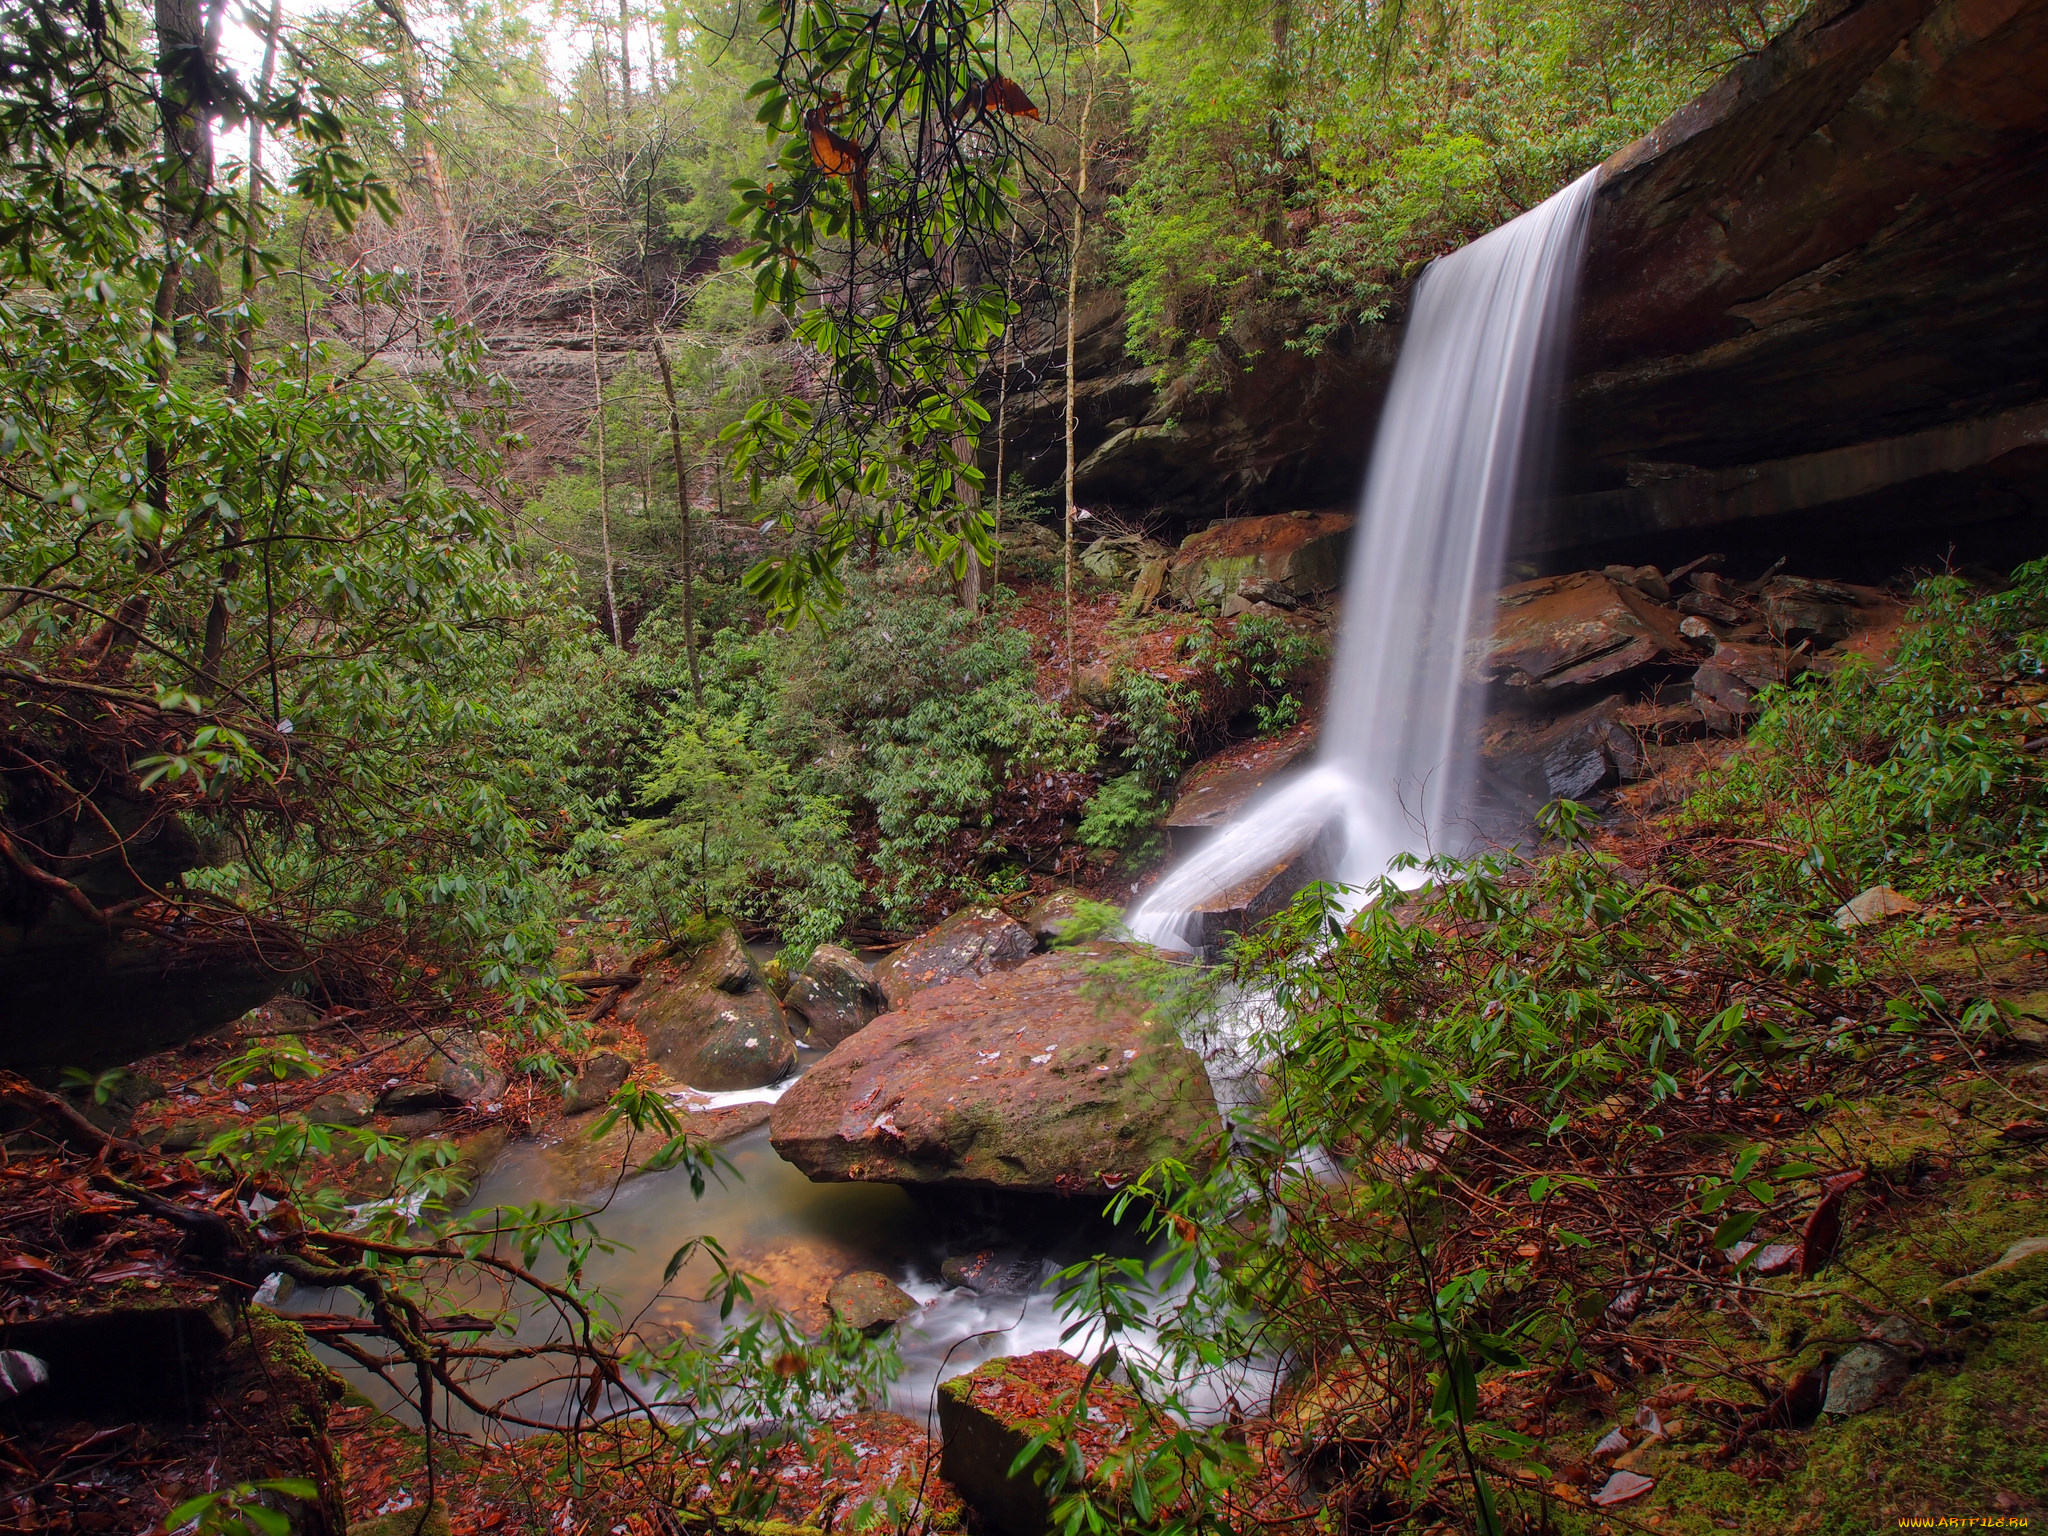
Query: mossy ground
{"points": [[1965, 1435]]}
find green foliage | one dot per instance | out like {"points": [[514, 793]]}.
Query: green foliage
{"points": [[1308, 162], [1122, 816], [1156, 716], [831, 771], [245, 1509], [1917, 772]]}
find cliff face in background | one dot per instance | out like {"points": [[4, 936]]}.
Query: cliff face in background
{"points": [[1815, 299]]}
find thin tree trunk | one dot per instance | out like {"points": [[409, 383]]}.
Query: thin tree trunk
{"points": [[245, 322], [995, 579], [675, 437], [604, 515], [626, 55], [1073, 299]]}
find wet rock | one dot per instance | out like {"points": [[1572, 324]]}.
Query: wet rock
{"points": [[410, 1521], [1867, 908], [1213, 792], [415, 1098], [592, 1088], [1041, 1079], [1719, 609], [1051, 914], [988, 1416], [1571, 758], [1863, 1378], [343, 1107], [1280, 559], [868, 1301], [974, 941], [1312, 852], [1646, 579], [718, 1027], [1798, 609], [423, 1123], [988, 1273], [745, 1045], [455, 1062], [834, 994], [581, 1164], [1567, 631], [1727, 684]]}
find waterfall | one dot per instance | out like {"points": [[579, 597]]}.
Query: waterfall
{"points": [[1479, 358]]}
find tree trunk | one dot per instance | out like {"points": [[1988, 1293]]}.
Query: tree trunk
{"points": [[604, 514], [675, 437], [1073, 300], [419, 148], [625, 55]]}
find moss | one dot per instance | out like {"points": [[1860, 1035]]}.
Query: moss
{"points": [[1969, 1427]]}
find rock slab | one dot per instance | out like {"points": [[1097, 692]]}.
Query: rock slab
{"points": [[592, 1088], [1044, 1079]]}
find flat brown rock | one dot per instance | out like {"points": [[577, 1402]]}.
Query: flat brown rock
{"points": [[1300, 553], [1039, 1079], [1565, 631], [1213, 792]]}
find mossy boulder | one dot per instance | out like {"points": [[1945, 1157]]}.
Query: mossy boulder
{"points": [[719, 1026], [1045, 1079]]}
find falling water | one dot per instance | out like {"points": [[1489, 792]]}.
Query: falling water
{"points": [[1478, 358]]}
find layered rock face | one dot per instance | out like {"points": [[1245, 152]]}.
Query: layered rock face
{"points": [[1816, 298], [974, 941], [1040, 1079]]}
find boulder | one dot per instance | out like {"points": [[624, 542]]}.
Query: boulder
{"points": [[1051, 913], [456, 1063], [868, 1301], [1591, 749], [1279, 560], [988, 1417], [988, 1273], [1040, 1079], [718, 1027], [834, 994], [413, 1098], [1567, 631], [592, 1088], [1727, 684], [972, 942], [583, 1164], [1798, 609], [342, 1107]]}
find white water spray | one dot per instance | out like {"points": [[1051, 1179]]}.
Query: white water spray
{"points": [[1479, 356]]}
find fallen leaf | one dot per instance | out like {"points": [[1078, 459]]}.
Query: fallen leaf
{"points": [[1823, 1232], [1613, 1445], [1624, 1486], [28, 1266]]}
